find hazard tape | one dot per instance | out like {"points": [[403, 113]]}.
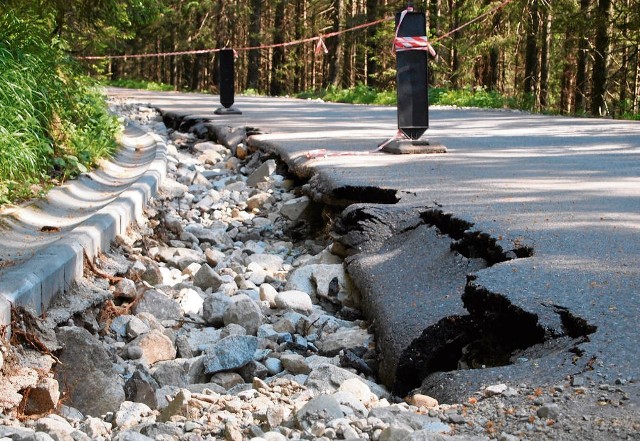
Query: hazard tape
{"points": [[320, 45], [402, 44]]}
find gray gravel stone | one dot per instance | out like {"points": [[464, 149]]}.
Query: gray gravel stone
{"points": [[324, 408], [246, 314], [230, 353], [86, 370], [161, 306], [214, 307]]}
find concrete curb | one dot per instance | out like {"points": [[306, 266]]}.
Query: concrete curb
{"points": [[34, 282]]}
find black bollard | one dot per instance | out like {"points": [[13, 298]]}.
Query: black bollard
{"points": [[412, 85], [226, 84]]}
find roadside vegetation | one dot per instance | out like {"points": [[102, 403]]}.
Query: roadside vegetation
{"points": [[362, 94], [53, 121], [140, 84]]}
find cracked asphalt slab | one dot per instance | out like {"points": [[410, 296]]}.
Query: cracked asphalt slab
{"points": [[553, 203]]}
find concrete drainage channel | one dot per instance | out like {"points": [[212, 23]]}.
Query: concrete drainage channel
{"points": [[445, 323]]}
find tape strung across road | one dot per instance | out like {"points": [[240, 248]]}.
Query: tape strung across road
{"points": [[44, 241]]}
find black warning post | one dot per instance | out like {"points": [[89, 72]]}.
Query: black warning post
{"points": [[226, 83], [412, 51]]}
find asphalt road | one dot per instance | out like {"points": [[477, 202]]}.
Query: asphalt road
{"points": [[563, 194]]}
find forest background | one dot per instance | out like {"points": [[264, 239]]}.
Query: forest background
{"points": [[563, 56]]}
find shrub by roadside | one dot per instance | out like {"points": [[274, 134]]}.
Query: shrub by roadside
{"points": [[53, 121]]}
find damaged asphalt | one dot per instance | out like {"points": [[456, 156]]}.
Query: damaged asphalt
{"points": [[514, 257]]}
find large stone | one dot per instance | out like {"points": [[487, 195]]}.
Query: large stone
{"points": [[359, 389], [180, 372], [196, 341], [231, 352], [323, 278], [300, 280], [214, 307], [343, 338], [180, 257], [408, 420], [271, 263], [159, 305], [323, 408], [262, 173], [295, 363], [268, 294], [296, 300], [294, 208], [329, 377], [206, 278], [258, 200], [155, 346], [87, 373], [55, 426], [178, 406], [141, 387], [214, 257], [190, 301], [129, 414], [245, 313]]}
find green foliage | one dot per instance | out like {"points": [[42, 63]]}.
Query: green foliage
{"points": [[478, 97], [359, 94], [140, 84], [53, 121]]}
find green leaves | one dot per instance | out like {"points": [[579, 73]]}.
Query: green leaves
{"points": [[53, 121]]}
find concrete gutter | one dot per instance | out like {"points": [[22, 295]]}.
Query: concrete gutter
{"points": [[45, 241]]}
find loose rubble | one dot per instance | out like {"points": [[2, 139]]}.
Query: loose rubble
{"points": [[214, 324]]}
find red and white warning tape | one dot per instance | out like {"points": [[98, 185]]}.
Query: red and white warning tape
{"points": [[320, 45], [413, 44]]}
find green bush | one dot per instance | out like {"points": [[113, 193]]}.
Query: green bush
{"points": [[360, 94], [478, 97], [49, 113]]}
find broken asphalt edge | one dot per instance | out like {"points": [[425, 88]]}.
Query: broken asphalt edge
{"points": [[53, 270]]}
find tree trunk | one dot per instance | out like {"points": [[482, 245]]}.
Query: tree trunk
{"points": [[581, 69], [277, 59], [454, 7], [372, 49], [566, 92], [253, 57], [433, 24], [545, 58], [335, 59], [599, 76], [636, 84], [531, 50]]}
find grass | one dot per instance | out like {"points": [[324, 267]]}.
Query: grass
{"points": [[141, 84], [362, 94], [53, 122], [359, 94]]}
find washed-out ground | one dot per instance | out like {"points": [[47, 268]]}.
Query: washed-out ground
{"points": [[228, 314]]}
